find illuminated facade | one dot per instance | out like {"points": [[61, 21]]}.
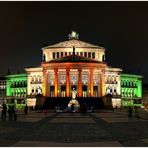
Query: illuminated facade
{"points": [[2, 89], [131, 90], [16, 90], [75, 64], [70, 64]]}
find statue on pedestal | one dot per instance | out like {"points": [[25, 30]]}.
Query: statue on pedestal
{"points": [[74, 103], [74, 93]]}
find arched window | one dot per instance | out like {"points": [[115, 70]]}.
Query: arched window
{"points": [[93, 55], [57, 54], [61, 54]]}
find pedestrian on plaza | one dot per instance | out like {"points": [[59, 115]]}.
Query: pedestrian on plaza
{"points": [[10, 113], [4, 112], [14, 115], [26, 110]]}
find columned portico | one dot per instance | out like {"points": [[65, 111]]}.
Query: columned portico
{"points": [[75, 64], [78, 75]]}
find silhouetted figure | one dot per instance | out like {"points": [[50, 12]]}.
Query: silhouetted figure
{"points": [[13, 112], [26, 110], [4, 112], [10, 113]]}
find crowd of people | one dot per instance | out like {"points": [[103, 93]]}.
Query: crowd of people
{"points": [[12, 115]]}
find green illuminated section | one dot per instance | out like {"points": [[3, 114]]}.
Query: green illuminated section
{"points": [[131, 89], [131, 86], [16, 85]]}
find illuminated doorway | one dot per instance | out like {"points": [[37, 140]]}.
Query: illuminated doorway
{"points": [[51, 91], [95, 91], [63, 90], [84, 91]]}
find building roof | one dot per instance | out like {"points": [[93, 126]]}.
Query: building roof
{"points": [[73, 58], [16, 75], [72, 42], [131, 75]]}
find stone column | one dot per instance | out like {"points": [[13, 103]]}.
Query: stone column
{"points": [[67, 83], [44, 82], [103, 82], [79, 82], [91, 82], [56, 82]]}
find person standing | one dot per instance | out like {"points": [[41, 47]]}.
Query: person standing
{"points": [[26, 110], [10, 114], [4, 112]]}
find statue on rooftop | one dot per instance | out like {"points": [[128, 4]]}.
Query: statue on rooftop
{"points": [[73, 35]]}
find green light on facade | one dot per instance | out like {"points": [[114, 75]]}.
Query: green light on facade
{"points": [[131, 88], [16, 83]]}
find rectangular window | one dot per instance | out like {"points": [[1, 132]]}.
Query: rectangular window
{"points": [[89, 55], [53, 55], [61, 54], [57, 54], [77, 53], [85, 54], [81, 53], [65, 53], [93, 55], [69, 53]]}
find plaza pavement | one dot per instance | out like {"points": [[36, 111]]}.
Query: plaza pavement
{"points": [[103, 128]]}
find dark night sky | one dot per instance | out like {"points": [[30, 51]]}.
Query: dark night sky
{"points": [[121, 27]]}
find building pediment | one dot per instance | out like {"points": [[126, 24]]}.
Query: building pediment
{"points": [[72, 42]]}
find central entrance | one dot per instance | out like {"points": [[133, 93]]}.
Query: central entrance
{"points": [[84, 91], [63, 90]]}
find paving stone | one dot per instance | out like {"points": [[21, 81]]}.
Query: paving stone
{"points": [[72, 120], [103, 128], [53, 144]]}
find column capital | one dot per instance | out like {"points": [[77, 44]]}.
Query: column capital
{"points": [[79, 69], [103, 71], [55, 69], [67, 69]]}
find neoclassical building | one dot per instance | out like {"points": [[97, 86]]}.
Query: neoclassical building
{"points": [[73, 64], [77, 65]]}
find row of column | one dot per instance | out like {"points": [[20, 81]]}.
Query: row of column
{"points": [[79, 91]]}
